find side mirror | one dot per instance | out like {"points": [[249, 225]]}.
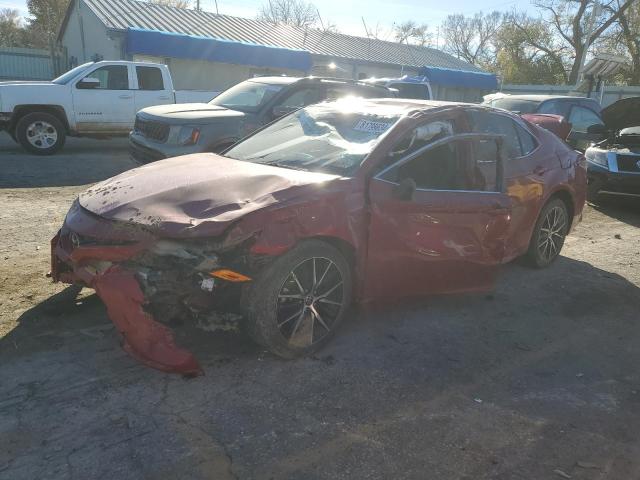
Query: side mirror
{"points": [[281, 110], [405, 189], [88, 83], [597, 129]]}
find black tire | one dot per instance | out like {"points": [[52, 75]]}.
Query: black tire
{"points": [[266, 311], [548, 236], [48, 128]]}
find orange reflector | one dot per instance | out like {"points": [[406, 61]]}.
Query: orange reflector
{"points": [[230, 276]]}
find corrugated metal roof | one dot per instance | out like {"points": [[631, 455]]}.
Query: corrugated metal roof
{"points": [[121, 14]]}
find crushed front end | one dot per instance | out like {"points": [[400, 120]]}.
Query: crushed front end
{"points": [[148, 283]]}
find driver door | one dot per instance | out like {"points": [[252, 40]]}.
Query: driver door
{"points": [[106, 102], [439, 220]]}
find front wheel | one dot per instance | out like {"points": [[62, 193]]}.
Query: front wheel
{"points": [[549, 233], [40, 133], [299, 301]]}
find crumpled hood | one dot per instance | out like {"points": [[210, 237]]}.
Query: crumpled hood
{"points": [[196, 195], [622, 114], [191, 111]]}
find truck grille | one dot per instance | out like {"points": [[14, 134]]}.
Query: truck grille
{"points": [[628, 163], [153, 130]]}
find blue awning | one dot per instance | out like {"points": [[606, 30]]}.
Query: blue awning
{"points": [[177, 45], [460, 78]]}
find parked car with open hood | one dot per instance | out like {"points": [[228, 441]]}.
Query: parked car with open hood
{"points": [[168, 131], [580, 112], [348, 201], [614, 163]]}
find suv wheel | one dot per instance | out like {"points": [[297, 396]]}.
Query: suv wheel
{"points": [[40, 133]]}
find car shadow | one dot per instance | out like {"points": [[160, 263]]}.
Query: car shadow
{"points": [[82, 161], [514, 303], [526, 375], [625, 209]]}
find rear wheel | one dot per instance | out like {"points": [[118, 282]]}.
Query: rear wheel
{"points": [[549, 234], [40, 133], [299, 301]]}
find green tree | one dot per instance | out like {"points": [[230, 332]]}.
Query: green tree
{"points": [[11, 29], [46, 18]]}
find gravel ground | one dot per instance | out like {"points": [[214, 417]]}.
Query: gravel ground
{"points": [[538, 380]]}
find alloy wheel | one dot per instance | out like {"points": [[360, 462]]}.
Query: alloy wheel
{"points": [[552, 233], [310, 301], [42, 134]]}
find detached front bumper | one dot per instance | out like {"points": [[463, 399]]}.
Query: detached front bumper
{"points": [[143, 337]]}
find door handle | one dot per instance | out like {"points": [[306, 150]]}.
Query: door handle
{"points": [[164, 97], [124, 97]]}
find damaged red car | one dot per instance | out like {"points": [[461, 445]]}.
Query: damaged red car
{"points": [[342, 202]]}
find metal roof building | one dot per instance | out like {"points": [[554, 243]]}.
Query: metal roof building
{"points": [[193, 43]]}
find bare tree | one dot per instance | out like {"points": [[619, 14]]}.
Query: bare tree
{"points": [[579, 23], [472, 38], [296, 13], [410, 32]]}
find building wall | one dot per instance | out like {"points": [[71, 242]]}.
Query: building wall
{"points": [[86, 38], [342, 68]]}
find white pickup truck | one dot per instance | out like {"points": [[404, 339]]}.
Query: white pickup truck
{"points": [[92, 100]]}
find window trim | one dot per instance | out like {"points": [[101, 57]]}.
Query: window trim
{"points": [[500, 161]]}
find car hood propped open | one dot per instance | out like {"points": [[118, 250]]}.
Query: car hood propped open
{"points": [[195, 195], [624, 113]]}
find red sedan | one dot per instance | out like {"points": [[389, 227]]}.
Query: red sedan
{"points": [[341, 202]]}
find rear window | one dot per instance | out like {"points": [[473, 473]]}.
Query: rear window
{"points": [[411, 90], [516, 105], [485, 122], [149, 78]]}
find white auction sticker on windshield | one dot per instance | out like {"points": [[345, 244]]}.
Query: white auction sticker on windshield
{"points": [[371, 127]]}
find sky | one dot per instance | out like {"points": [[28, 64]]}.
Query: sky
{"points": [[347, 15]]}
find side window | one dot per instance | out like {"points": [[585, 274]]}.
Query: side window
{"points": [[301, 98], [149, 78], [582, 118], [451, 165], [527, 141], [551, 107], [111, 77], [486, 122], [419, 137]]}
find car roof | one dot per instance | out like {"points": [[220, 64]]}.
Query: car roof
{"points": [[542, 98], [399, 106], [312, 79]]}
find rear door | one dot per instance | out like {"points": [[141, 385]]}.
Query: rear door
{"points": [[525, 171], [151, 88], [446, 236]]}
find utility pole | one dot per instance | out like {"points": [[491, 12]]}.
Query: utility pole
{"points": [[217, 12]]}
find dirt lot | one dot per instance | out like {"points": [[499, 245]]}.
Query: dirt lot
{"points": [[539, 380]]}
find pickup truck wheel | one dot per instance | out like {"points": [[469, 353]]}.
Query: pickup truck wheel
{"points": [[40, 133], [296, 305]]}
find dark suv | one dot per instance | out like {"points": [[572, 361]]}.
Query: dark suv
{"points": [[580, 112], [166, 131]]}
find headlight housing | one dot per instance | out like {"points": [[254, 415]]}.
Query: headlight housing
{"points": [[188, 135], [598, 157]]}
